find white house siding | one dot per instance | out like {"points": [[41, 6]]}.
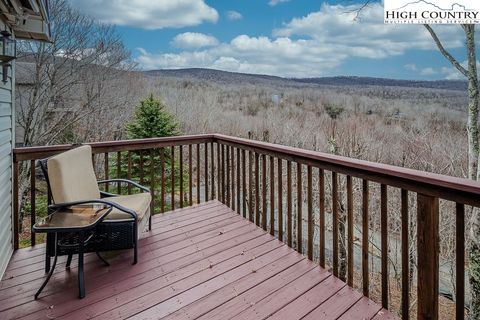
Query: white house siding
{"points": [[6, 138]]}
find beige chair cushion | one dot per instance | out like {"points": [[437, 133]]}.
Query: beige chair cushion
{"points": [[72, 177], [139, 202]]}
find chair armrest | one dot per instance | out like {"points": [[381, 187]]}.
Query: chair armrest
{"points": [[93, 201], [133, 183], [104, 194]]}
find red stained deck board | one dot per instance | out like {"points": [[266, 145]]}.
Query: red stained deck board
{"points": [[199, 262], [130, 306], [213, 284], [309, 300], [171, 232], [280, 298], [132, 276], [384, 315], [363, 309], [336, 305], [145, 253], [201, 248], [229, 292], [28, 253], [194, 221], [245, 300]]}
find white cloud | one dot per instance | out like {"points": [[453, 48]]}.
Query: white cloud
{"points": [[411, 67], [448, 73], [367, 37], [311, 46], [451, 73], [273, 3], [148, 14], [194, 40], [234, 15], [428, 71]]}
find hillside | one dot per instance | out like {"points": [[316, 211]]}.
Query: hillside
{"points": [[225, 77]]}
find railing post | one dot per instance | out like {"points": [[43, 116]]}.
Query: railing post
{"points": [[428, 250], [16, 207]]}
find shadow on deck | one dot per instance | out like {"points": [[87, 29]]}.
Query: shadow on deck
{"points": [[200, 262]]}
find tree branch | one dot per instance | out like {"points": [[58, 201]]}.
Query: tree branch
{"points": [[445, 53]]}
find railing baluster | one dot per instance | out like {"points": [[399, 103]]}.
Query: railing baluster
{"points": [[250, 186], [310, 213], [299, 207], [190, 175], [16, 207], [232, 167], [206, 171], [460, 262], [223, 173], [141, 168], [405, 257], [227, 172], [428, 249], [33, 211], [129, 171], [106, 171], [198, 173], [257, 189], [365, 242], [280, 200], [152, 182], [180, 160], [244, 184], [321, 199], [212, 171], [119, 172], [350, 231], [289, 204], [162, 180], [238, 182], [219, 176], [272, 195], [384, 243], [227, 161], [264, 192], [335, 222], [172, 178]]}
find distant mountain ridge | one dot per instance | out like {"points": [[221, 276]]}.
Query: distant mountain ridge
{"points": [[226, 77]]}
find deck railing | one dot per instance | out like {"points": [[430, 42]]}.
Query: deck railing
{"points": [[295, 194]]}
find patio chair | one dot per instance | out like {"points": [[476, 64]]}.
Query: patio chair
{"points": [[71, 180]]}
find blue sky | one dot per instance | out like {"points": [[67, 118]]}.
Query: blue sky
{"points": [[292, 38]]}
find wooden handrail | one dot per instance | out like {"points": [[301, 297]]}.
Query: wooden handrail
{"points": [[40, 152], [446, 187], [449, 188]]}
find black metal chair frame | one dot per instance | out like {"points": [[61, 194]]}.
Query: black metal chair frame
{"points": [[109, 235]]}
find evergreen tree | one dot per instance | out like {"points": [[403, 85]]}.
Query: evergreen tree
{"points": [[151, 120]]}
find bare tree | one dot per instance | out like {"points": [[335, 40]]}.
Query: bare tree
{"points": [[68, 78], [83, 56], [470, 72]]}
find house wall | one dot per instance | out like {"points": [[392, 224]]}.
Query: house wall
{"points": [[6, 139]]}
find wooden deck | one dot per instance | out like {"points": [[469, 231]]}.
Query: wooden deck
{"points": [[201, 262]]}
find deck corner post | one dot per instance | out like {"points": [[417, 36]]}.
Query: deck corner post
{"points": [[428, 254]]}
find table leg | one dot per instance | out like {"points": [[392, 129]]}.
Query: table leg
{"points": [[81, 277], [50, 272], [69, 260]]}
